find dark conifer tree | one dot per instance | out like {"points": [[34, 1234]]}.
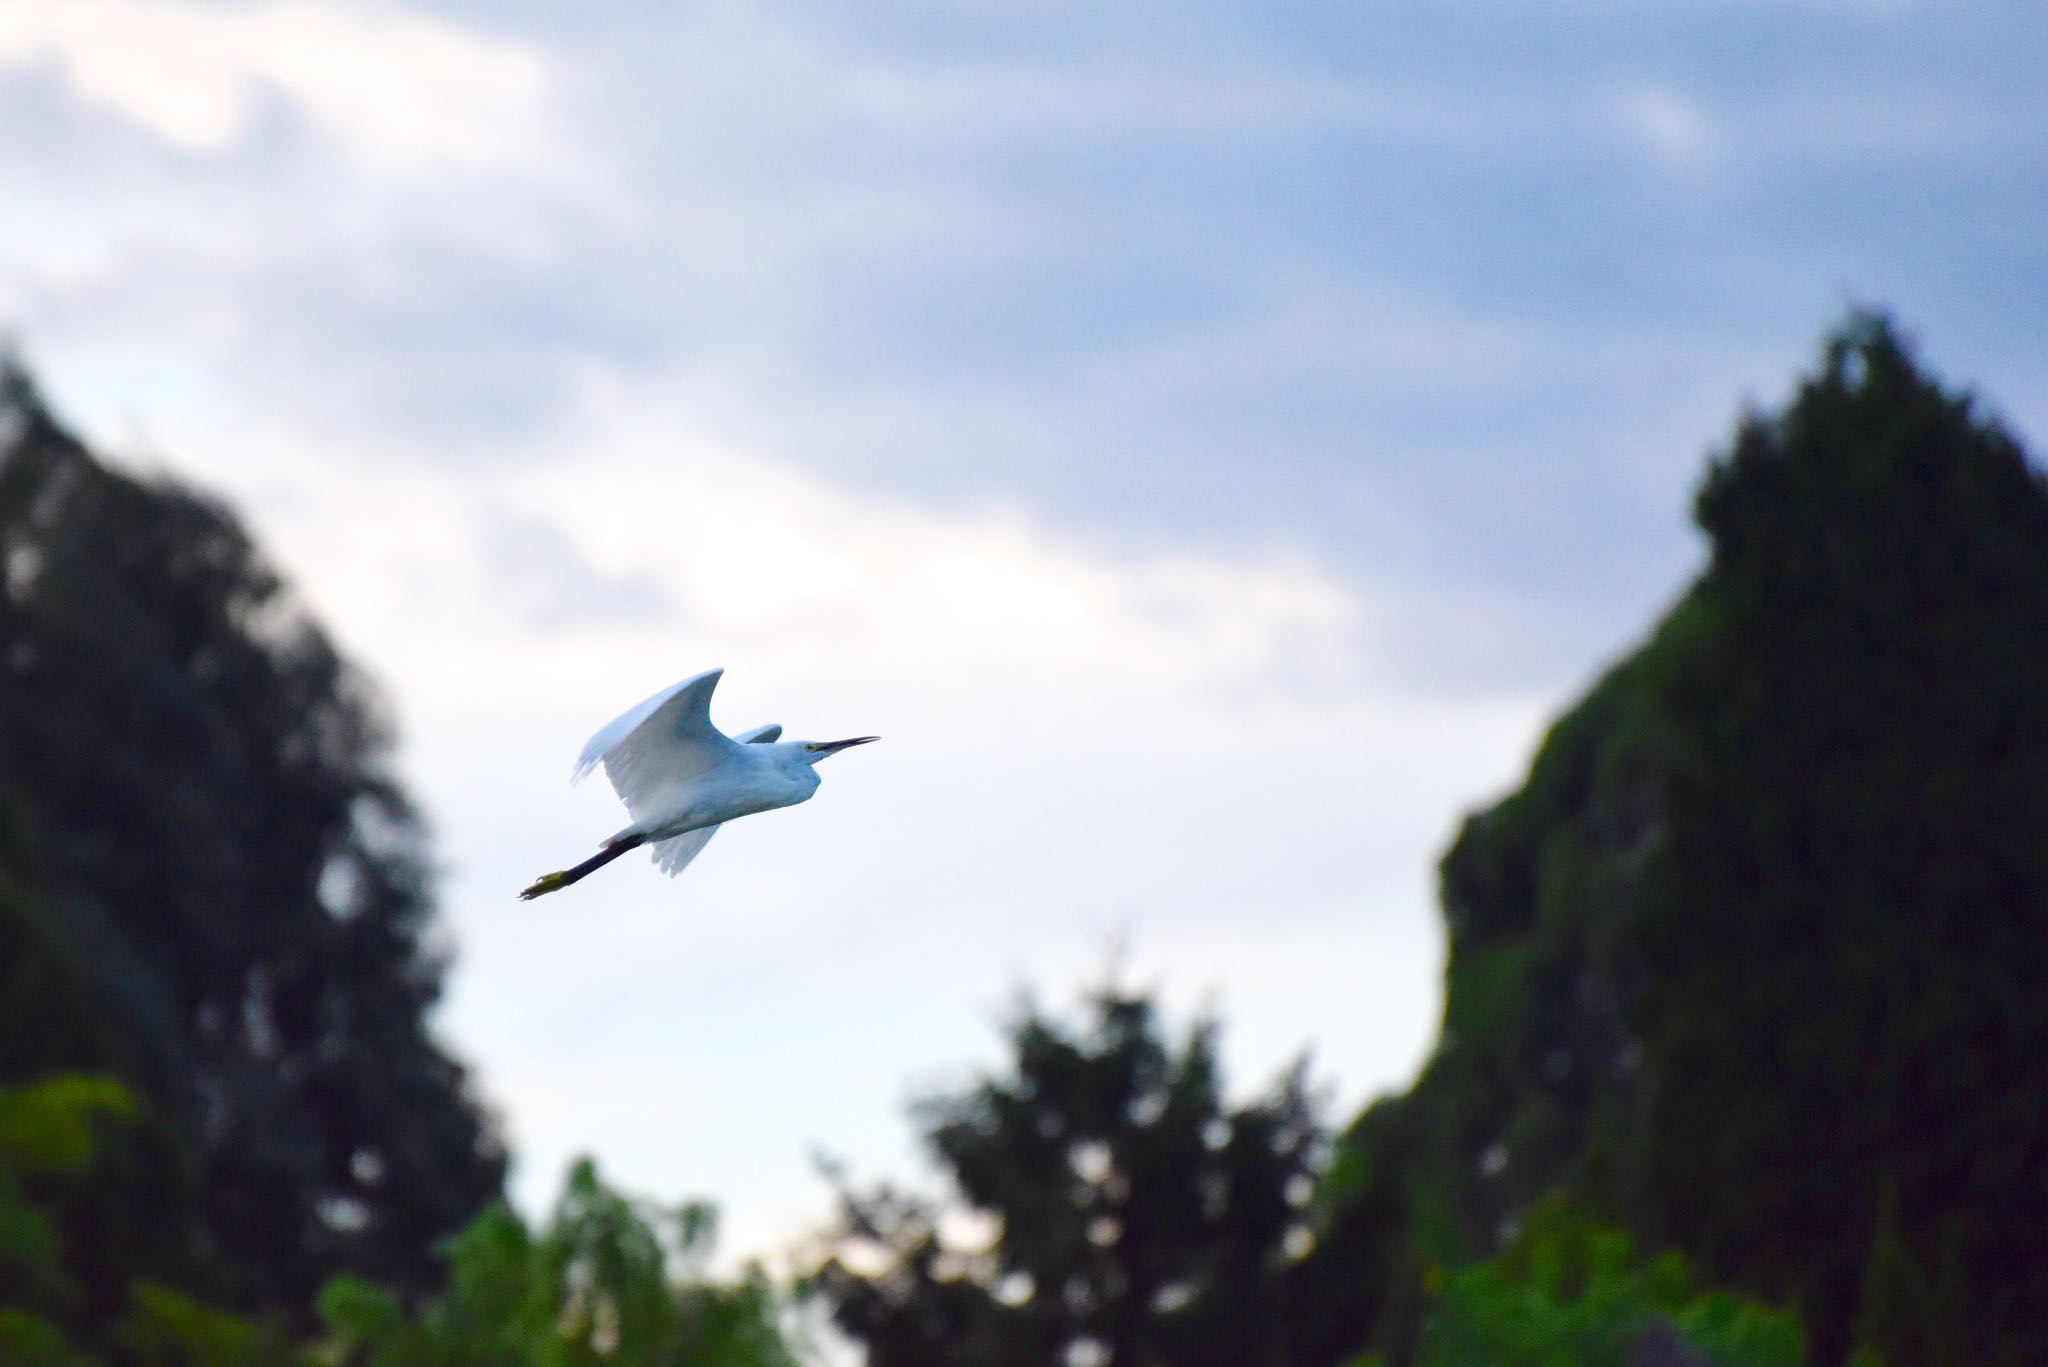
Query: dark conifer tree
{"points": [[1137, 1220]]}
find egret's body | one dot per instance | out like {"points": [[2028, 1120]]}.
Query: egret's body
{"points": [[681, 777]]}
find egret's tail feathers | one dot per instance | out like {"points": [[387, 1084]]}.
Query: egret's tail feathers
{"points": [[555, 882]]}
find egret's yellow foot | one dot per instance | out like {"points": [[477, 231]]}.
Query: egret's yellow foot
{"points": [[547, 882]]}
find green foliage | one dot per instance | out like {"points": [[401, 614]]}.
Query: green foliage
{"points": [[1574, 1294], [52, 1132], [50, 1020], [1752, 964], [166, 1329], [1132, 1213], [609, 1283], [30, 1341], [50, 1128], [211, 888], [53, 1126]]}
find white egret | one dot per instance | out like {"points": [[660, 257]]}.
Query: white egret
{"points": [[681, 777]]}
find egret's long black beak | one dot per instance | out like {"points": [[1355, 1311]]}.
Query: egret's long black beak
{"points": [[833, 747]]}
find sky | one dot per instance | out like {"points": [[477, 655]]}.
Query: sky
{"points": [[1207, 443]]}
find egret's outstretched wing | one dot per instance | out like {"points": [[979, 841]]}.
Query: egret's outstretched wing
{"points": [[681, 709], [672, 855], [665, 740]]}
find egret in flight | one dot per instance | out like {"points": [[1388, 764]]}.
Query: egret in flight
{"points": [[681, 777]]}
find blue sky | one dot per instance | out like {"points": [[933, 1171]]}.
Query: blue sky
{"points": [[1206, 442]]}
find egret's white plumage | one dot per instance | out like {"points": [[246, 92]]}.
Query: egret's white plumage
{"points": [[681, 777]]}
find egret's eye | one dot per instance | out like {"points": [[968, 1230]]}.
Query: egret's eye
{"points": [[813, 746]]}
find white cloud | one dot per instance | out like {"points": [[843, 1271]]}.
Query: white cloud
{"points": [[376, 78], [758, 551]]}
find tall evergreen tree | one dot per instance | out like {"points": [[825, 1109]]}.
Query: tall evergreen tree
{"points": [[1756, 963], [199, 797], [1137, 1221]]}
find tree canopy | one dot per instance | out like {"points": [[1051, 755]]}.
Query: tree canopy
{"points": [[1129, 1216], [608, 1282], [213, 889], [1753, 963]]}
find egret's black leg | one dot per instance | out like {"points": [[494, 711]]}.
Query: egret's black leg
{"points": [[555, 882]]}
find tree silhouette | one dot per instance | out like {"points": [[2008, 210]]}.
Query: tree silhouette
{"points": [[1754, 963], [1136, 1218], [222, 866]]}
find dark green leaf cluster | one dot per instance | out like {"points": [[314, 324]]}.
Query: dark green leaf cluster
{"points": [[609, 1283], [51, 1135], [1570, 1293]]}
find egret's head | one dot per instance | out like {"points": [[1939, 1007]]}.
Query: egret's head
{"points": [[815, 750]]}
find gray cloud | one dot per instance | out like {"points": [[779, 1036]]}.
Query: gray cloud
{"points": [[1463, 296]]}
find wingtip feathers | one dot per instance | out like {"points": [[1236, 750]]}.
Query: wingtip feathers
{"points": [[620, 727]]}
